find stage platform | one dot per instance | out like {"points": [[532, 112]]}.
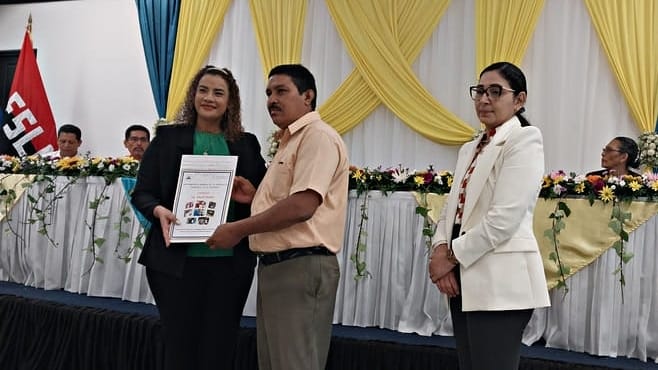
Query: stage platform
{"points": [[41, 329]]}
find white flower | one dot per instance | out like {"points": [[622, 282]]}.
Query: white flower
{"points": [[274, 145], [110, 168], [558, 189], [579, 178], [648, 144], [400, 175]]}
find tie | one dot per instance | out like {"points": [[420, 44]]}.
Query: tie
{"points": [[486, 137]]}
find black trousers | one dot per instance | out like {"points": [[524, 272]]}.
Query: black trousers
{"points": [[200, 313], [487, 340]]}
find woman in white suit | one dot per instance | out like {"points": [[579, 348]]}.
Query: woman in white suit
{"points": [[485, 256]]}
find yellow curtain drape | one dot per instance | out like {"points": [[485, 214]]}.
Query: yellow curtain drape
{"points": [[353, 101], [586, 235], [629, 34], [279, 27], [198, 25], [375, 33], [503, 30], [17, 184]]}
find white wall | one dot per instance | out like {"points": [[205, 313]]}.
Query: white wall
{"points": [[92, 64]]}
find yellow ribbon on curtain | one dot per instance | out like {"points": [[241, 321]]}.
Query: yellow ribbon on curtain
{"points": [[433, 202], [279, 30], [585, 237], [503, 30], [372, 35], [16, 183], [198, 25], [629, 35]]}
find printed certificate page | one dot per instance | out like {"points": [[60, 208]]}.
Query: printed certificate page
{"points": [[202, 196]]}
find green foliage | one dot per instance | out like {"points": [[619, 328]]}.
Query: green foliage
{"points": [[558, 224]]}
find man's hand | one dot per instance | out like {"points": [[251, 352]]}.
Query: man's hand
{"points": [[225, 236], [243, 190], [166, 217]]}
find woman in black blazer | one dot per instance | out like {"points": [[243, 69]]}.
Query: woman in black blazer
{"points": [[200, 293]]}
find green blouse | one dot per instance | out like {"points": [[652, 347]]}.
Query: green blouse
{"points": [[210, 144]]}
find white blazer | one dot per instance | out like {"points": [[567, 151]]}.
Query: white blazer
{"points": [[500, 264]]}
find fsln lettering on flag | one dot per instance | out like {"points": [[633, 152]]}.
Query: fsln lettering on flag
{"points": [[28, 125]]}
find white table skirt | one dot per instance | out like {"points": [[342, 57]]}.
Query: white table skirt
{"points": [[397, 296]]}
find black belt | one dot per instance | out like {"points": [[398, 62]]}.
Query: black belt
{"points": [[276, 257]]}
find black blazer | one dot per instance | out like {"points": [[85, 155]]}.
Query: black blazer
{"points": [[604, 172], [156, 185]]}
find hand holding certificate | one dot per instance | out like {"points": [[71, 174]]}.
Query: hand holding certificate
{"points": [[202, 196]]}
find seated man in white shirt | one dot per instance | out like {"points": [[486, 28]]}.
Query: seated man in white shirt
{"points": [[69, 139]]}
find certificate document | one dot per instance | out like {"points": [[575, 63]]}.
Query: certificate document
{"points": [[202, 196]]}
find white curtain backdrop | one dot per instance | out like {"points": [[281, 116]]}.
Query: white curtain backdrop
{"points": [[92, 63]]}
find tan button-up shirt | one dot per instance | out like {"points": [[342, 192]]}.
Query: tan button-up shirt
{"points": [[311, 155]]}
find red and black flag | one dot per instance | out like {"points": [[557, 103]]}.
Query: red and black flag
{"points": [[28, 125]]}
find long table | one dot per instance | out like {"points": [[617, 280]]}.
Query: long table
{"points": [[397, 295]]}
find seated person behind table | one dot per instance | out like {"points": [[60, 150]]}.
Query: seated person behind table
{"points": [[620, 157], [137, 139], [69, 139]]}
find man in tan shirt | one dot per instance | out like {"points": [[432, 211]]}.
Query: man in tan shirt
{"points": [[296, 228]]}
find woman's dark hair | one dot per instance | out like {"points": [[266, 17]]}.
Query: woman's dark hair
{"points": [[516, 79], [300, 76], [231, 123], [629, 146]]}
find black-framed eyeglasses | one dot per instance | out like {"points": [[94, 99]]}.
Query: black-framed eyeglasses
{"points": [[493, 92], [135, 139], [605, 149]]}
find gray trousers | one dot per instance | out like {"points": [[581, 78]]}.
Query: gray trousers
{"points": [[295, 309]]}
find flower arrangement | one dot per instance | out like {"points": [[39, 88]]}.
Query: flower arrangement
{"points": [[78, 166], [45, 171], [648, 145], [400, 179], [559, 184], [273, 140]]}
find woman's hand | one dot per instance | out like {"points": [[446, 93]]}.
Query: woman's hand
{"points": [[166, 217], [448, 284], [439, 263], [243, 190]]}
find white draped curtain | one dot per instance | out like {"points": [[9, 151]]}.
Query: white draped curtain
{"points": [[573, 96], [97, 79]]}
